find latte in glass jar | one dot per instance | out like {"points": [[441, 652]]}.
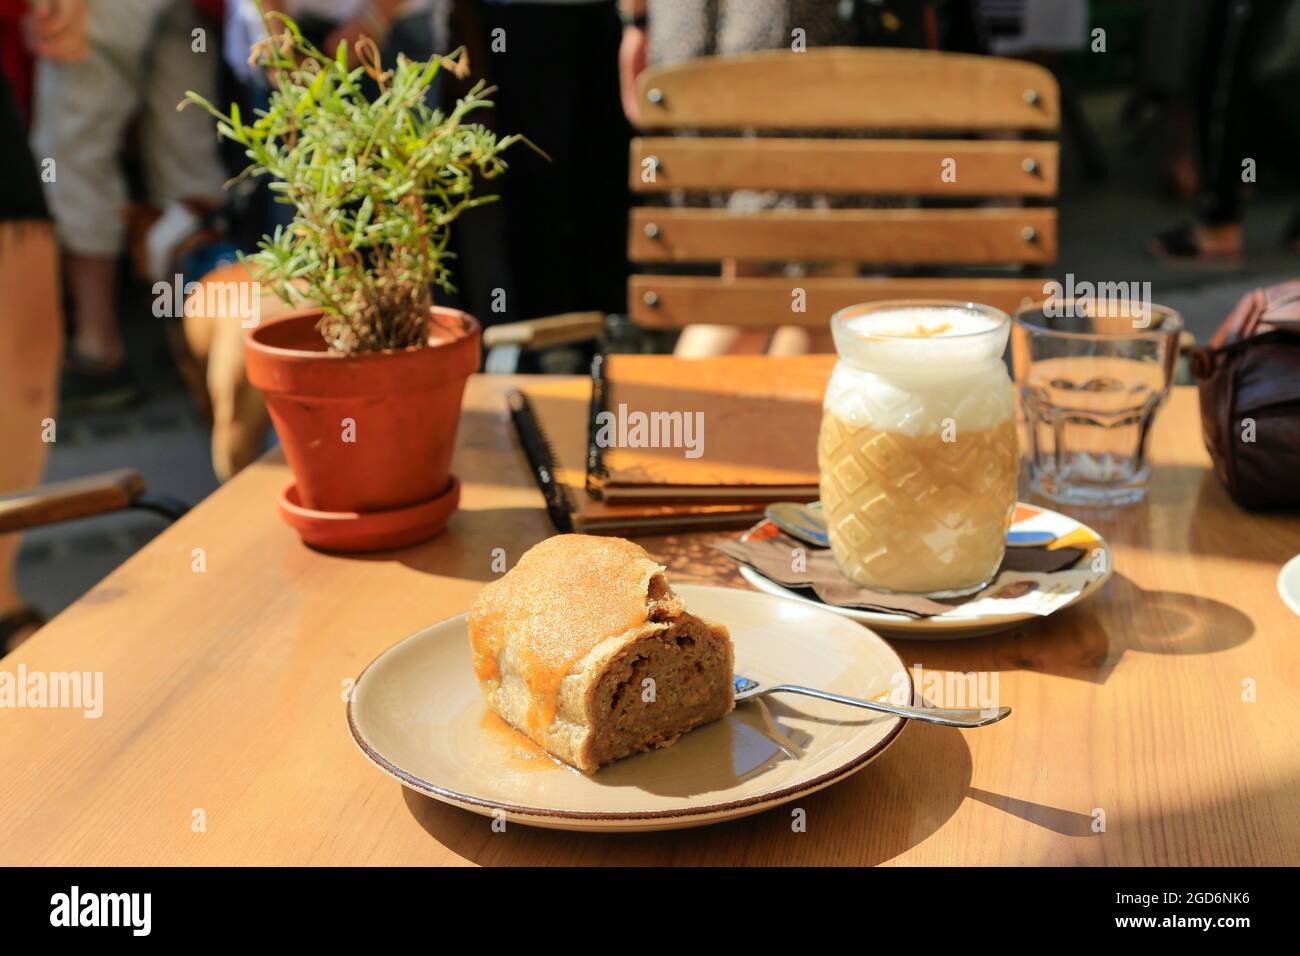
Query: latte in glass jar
{"points": [[917, 452]]}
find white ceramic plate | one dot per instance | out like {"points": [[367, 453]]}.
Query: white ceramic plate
{"points": [[962, 622], [417, 713], [1288, 584]]}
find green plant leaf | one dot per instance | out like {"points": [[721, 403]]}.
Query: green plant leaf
{"points": [[375, 183]]}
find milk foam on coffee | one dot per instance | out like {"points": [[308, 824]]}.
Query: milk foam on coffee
{"points": [[917, 370]]}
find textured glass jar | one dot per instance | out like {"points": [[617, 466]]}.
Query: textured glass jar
{"points": [[917, 450]]}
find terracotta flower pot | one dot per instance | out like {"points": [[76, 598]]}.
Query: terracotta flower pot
{"points": [[369, 437]]}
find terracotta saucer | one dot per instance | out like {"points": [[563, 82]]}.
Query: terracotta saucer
{"points": [[369, 530]]}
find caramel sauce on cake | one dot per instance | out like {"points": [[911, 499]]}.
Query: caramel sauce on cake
{"points": [[564, 643], [521, 753], [565, 596]]}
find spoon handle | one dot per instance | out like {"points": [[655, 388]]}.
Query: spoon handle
{"points": [[947, 716]]}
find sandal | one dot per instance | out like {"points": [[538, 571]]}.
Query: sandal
{"points": [[1181, 245], [17, 626]]}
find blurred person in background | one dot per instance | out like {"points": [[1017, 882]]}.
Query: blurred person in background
{"points": [[661, 32], [327, 23], [1250, 46], [1163, 105], [140, 56], [555, 64], [31, 322], [54, 27]]}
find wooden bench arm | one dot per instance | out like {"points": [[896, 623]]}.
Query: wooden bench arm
{"points": [[71, 499], [544, 333]]}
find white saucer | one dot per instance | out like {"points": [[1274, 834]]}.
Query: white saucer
{"points": [[417, 713], [963, 622], [1288, 584]]}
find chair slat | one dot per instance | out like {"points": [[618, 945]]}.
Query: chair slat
{"points": [[853, 89], [954, 168], [990, 236], [673, 302]]}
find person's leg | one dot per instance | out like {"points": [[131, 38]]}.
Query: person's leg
{"points": [[1223, 131], [706, 341], [1223, 127], [180, 146], [31, 330], [30, 344], [801, 340], [92, 282], [538, 75], [82, 110], [601, 197]]}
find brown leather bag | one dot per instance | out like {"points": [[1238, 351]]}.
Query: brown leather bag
{"points": [[1249, 382]]}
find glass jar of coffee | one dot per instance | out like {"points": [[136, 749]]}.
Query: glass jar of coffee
{"points": [[917, 452]]}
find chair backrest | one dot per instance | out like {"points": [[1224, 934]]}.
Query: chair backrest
{"points": [[977, 131]]}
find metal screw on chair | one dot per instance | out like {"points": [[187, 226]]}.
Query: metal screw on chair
{"points": [[1029, 233], [654, 95], [1029, 165], [1031, 97], [651, 299], [651, 230]]}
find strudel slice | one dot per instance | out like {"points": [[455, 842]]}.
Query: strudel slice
{"points": [[585, 648]]}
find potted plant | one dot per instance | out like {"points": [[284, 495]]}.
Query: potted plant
{"points": [[364, 381]]}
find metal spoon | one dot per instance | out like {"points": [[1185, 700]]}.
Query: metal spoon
{"points": [[803, 522], [807, 523], [748, 689]]}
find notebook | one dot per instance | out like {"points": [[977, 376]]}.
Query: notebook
{"points": [[551, 418], [739, 428]]}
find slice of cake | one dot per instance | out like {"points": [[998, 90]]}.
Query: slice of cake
{"points": [[585, 648]]}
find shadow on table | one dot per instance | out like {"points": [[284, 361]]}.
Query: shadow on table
{"points": [[1270, 537], [466, 550], [1167, 520], [1064, 822], [1232, 830], [1086, 642], [1254, 824], [891, 805]]}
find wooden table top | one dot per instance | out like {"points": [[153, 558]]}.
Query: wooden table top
{"points": [[223, 738]]}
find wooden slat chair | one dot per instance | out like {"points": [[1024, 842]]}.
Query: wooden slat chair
{"points": [[977, 132], [70, 500]]}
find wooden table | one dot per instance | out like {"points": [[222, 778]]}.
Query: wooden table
{"points": [[223, 738]]}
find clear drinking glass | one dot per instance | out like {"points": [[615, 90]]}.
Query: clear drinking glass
{"points": [[1091, 375]]}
